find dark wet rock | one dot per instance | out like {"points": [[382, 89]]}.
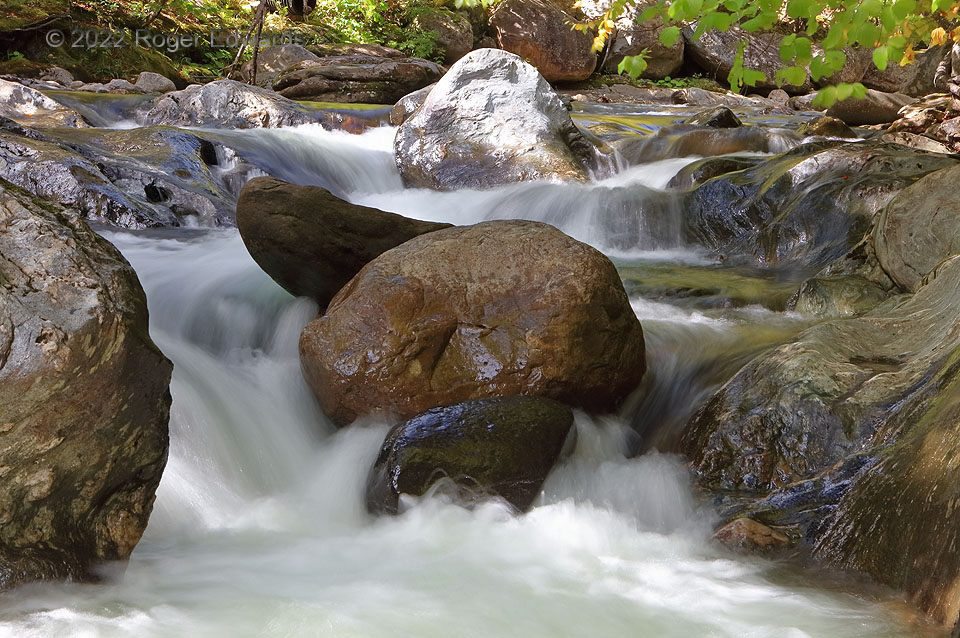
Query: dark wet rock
{"points": [[921, 142], [491, 120], [356, 79], [496, 309], [311, 242], [32, 108], [133, 178], [489, 447], [746, 534], [898, 522], [150, 82], [84, 397], [715, 51], [833, 392], [452, 30], [698, 172], [875, 108], [541, 33], [408, 104], [701, 97], [225, 104], [920, 228], [826, 126], [717, 117], [806, 207], [922, 115], [273, 61]]}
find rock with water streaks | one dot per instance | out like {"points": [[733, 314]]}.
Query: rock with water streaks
{"points": [[84, 397], [32, 108], [497, 309], [488, 447], [491, 120], [312, 242]]}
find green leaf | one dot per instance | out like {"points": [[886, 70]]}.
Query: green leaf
{"points": [[859, 90], [835, 37], [826, 97], [880, 57], [867, 34], [844, 91], [669, 36], [903, 8], [798, 8], [795, 75], [751, 77], [803, 49], [787, 49], [633, 65]]}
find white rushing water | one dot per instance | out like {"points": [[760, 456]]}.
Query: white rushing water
{"points": [[259, 528]]}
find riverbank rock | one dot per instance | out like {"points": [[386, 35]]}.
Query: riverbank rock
{"points": [[715, 51], [920, 228], [150, 82], [408, 104], [716, 117], [541, 33], [311, 242], [84, 397], [875, 108], [683, 140], [454, 34], [826, 126], [833, 392], [808, 206], [356, 79], [273, 61], [496, 309], [32, 108], [133, 178], [225, 104], [897, 521], [746, 534], [489, 447], [491, 120]]}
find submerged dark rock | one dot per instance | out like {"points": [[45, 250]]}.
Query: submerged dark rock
{"points": [[489, 447], [716, 117], [312, 242], [496, 309], [84, 397]]}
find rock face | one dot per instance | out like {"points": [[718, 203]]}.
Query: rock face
{"points": [[808, 206], [311, 242], [801, 408], [496, 309], [453, 31], [920, 228], [84, 397], [409, 103], [717, 117], [746, 534], [715, 52], [488, 447], [225, 104], [491, 120], [31, 107], [540, 31], [356, 78], [634, 37], [273, 61]]}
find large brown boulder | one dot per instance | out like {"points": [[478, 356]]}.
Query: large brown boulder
{"points": [[312, 242], [876, 107], [488, 447], [540, 32], [84, 397], [491, 120], [452, 30], [496, 309], [273, 61]]}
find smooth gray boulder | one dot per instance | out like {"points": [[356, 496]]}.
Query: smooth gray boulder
{"points": [[84, 397], [491, 120], [273, 61], [150, 82], [30, 107]]}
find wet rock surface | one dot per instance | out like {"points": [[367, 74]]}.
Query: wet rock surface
{"points": [[84, 397], [494, 309], [489, 447], [32, 108], [311, 242], [356, 78]]}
